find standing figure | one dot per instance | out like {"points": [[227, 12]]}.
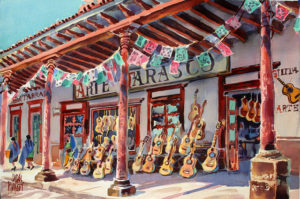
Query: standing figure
{"points": [[70, 149], [14, 152], [27, 153]]}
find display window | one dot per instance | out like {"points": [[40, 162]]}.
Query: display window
{"points": [[15, 122]]}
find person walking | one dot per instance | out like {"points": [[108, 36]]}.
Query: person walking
{"points": [[14, 152], [27, 153]]}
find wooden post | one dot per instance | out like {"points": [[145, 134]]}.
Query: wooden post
{"points": [[3, 123], [47, 174], [121, 185], [269, 169]]}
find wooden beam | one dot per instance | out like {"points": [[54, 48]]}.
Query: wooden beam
{"points": [[41, 43], [30, 51], [53, 40], [74, 33], [155, 2], [37, 48], [210, 17], [125, 11], [156, 37], [94, 52], [144, 5], [110, 19], [243, 85], [100, 50], [10, 59], [84, 28], [94, 24], [77, 61], [92, 65], [6, 61], [25, 56], [65, 37], [109, 44], [109, 50], [2, 64], [87, 57], [70, 66]]}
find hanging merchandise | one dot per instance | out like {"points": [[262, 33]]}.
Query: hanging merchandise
{"points": [[181, 54], [204, 59], [173, 69], [281, 12], [251, 5], [233, 22], [140, 42], [57, 74], [78, 78], [118, 58], [166, 51], [225, 50], [221, 31], [150, 47], [101, 77], [212, 39], [156, 60], [297, 24]]}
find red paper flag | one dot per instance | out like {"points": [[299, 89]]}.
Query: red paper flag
{"points": [[225, 50], [174, 67], [150, 47], [281, 12]]}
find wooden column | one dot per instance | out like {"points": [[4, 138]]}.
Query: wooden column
{"points": [[122, 186], [3, 120], [47, 174], [269, 169]]}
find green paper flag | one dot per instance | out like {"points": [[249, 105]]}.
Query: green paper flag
{"points": [[119, 59], [156, 60], [204, 59], [251, 5], [140, 42], [32, 83], [79, 76], [44, 71], [67, 83], [181, 54], [86, 80], [101, 77], [58, 74], [297, 24], [221, 31]]}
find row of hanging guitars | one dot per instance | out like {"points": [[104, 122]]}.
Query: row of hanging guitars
{"points": [[250, 109]]}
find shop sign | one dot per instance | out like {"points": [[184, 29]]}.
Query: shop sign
{"points": [[33, 95], [151, 76]]}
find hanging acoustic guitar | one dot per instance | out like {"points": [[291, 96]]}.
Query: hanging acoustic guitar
{"points": [[195, 108], [290, 91], [138, 163]]}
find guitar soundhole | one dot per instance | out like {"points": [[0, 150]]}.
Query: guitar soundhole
{"points": [[187, 140], [290, 89], [189, 161], [149, 158], [212, 155], [158, 143], [167, 162]]}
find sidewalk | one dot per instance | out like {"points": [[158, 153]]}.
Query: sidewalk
{"points": [[207, 186]]}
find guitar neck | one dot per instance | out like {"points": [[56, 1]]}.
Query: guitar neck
{"points": [[280, 81], [141, 149], [214, 140]]}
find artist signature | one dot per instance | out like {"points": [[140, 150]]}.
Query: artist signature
{"points": [[16, 184]]}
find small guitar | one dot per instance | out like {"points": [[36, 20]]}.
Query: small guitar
{"points": [[76, 164], [106, 122], [137, 164], [131, 120], [112, 121], [99, 153], [210, 164], [99, 126], [149, 165], [195, 108], [244, 109], [86, 167], [251, 113], [188, 168], [99, 171], [109, 159], [158, 145], [199, 128], [256, 118], [186, 141], [69, 164], [167, 166], [171, 139], [290, 91]]}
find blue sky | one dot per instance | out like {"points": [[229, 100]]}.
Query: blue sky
{"points": [[21, 18]]}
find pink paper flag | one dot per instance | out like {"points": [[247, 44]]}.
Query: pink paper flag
{"points": [[174, 67], [133, 57], [143, 60], [281, 12], [225, 50], [233, 22], [150, 47]]}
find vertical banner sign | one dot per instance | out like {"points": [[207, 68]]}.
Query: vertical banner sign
{"points": [[281, 12], [166, 52], [225, 50], [150, 47], [181, 54], [233, 22], [204, 59], [221, 31], [212, 39], [174, 68], [140, 42], [156, 60], [251, 5]]}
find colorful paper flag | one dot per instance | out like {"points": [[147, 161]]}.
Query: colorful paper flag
{"points": [[150, 47], [204, 59], [32, 83], [156, 60], [77, 80], [66, 83], [166, 51], [44, 71], [101, 77], [173, 69], [138, 58], [251, 5], [132, 59], [58, 83], [58, 74], [281, 12], [221, 31], [181, 54], [86, 79], [143, 61], [225, 50], [118, 58], [212, 39], [233, 22], [108, 71], [297, 24], [116, 71], [140, 42]]}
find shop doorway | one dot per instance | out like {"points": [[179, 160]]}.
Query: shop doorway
{"points": [[15, 122], [36, 127]]}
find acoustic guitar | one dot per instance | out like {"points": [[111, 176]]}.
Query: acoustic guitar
{"points": [[137, 164], [69, 164], [99, 125], [198, 131], [109, 159], [188, 168], [86, 165], [76, 164], [251, 113], [195, 108], [292, 93], [112, 121], [256, 118], [149, 166], [171, 139], [244, 109], [131, 120], [106, 122], [167, 166], [186, 141], [158, 145], [211, 164], [99, 171], [99, 153]]}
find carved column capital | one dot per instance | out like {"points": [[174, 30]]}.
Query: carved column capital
{"points": [[125, 39], [50, 65]]}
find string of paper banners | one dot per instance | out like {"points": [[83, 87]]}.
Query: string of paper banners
{"points": [[110, 69]]}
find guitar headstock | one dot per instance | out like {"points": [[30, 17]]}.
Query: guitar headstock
{"points": [[146, 139]]}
